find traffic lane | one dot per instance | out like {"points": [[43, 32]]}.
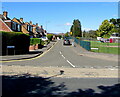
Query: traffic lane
{"points": [[67, 58], [51, 58], [79, 60], [73, 84]]}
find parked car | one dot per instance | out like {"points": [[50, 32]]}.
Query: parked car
{"points": [[105, 40], [44, 38], [66, 42]]}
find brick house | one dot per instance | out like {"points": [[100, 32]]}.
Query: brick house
{"points": [[4, 26], [18, 25], [5, 22]]}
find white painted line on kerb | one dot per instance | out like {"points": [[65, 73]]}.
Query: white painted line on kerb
{"points": [[70, 63], [63, 56]]}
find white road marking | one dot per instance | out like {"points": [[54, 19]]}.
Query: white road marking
{"points": [[66, 60], [70, 63], [63, 56], [60, 52]]}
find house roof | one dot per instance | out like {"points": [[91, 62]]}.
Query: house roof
{"points": [[18, 21], [4, 26]]}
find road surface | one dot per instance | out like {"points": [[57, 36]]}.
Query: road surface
{"points": [[65, 57]]}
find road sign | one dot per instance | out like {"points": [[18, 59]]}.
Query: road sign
{"points": [[70, 33], [10, 46]]}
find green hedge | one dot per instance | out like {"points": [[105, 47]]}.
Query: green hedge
{"points": [[50, 36], [34, 41], [18, 39]]}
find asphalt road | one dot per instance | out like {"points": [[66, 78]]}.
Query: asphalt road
{"points": [[65, 56], [73, 84]]}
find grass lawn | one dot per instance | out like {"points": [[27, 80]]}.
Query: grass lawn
{"points": [[105, 47]]}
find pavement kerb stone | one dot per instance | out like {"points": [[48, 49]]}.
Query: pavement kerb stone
{"points": [[25, 57], [30, 56]]}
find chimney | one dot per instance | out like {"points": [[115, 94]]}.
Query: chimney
{"points": [[30, 22], [41, 26], [36, 24], [21, 19], [5, 13]]}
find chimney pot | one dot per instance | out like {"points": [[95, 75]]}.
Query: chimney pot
{"points": [[21, 19], [36, 24], [30, 22], [5, 13]]}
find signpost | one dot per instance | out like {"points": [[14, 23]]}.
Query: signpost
{"points": [[10, 47]]}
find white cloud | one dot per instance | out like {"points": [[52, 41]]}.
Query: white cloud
{"points": [[68, 24]]}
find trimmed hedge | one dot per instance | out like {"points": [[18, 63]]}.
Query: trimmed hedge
{"points": [[50, 36], [34, 41], [18, 39]]}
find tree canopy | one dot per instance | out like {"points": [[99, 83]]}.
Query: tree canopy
{"points": [[105, 29], [76, 28], [116, 23]]}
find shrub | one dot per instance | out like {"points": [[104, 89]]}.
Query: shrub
{"points": [[18, 39], [34, 41], [78, 37], [50, 36], [41, 44]]}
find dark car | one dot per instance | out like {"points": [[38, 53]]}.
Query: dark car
{"points": [[66, 42]]}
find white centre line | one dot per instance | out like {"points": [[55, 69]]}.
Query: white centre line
{"points": [[67, 60], [63, 56], [70, 63], [60, 52]]}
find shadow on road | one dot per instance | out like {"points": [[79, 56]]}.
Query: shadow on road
{"points": [[26, 85]]}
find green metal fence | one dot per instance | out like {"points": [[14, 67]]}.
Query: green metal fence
{"points": [[84, 44], [97, 46]]}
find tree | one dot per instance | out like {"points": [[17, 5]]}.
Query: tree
{"points": [[50, 36], [116, 23], [90, 34], [105, 29], [76, 28], [66, 34]]}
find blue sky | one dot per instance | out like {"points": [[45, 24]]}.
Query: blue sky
{"points": [[58, 16]]}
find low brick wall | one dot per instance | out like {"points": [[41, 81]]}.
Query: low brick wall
{"points": [[33, 47]]}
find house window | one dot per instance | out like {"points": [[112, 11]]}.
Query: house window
{"points": [[28, 28], [14, 24], [19, 27], [31, 28]]}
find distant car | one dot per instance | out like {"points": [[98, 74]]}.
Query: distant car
{"points": [[44, 38], [105, 40], [66, 42]]}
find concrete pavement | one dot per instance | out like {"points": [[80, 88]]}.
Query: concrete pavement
{"points": [[31, 54]]}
